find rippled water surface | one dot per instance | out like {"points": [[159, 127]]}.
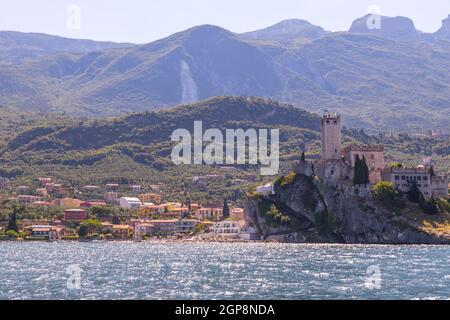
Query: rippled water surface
{"points": [[223, 271]]}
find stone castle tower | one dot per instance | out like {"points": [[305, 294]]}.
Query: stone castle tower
{"points": [[330, 133]]}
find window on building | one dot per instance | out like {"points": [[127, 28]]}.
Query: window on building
{"points": [[397, 177], [403, 178], [425, 178], [419, 178]]}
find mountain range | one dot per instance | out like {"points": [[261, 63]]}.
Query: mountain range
{"points": [[395, 77]]}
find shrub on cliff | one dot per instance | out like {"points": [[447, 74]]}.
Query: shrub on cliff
{"points": [[390, 197], [325, 223], [286, 180]]}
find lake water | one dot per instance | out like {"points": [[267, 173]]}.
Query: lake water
{"points": [[222, 271]]}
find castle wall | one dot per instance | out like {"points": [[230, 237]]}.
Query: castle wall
{"points": [[374, 158], [439, 187]]}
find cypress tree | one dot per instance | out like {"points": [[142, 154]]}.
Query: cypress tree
{"points": [[225, 210], [414, 193], [432, 174], [303, 158], [357, 171], [12, 223], [364, 171]]}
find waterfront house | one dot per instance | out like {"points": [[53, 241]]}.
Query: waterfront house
{"points": [[163, 227], [122, 231], [47, 232], [184, 226], [40, 231], [143, 228], [228, 228], [249, 234]]}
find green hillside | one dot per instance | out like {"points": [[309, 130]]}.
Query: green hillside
{"points": [[136, 148]]}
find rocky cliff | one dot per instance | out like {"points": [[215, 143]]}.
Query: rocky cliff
{"points": [[304, 209]]}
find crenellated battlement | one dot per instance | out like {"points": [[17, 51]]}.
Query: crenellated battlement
{"points": [[363, 148], [406, 170]]}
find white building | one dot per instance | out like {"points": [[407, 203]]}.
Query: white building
{"points": [[227, 229], [403, 177], [265, 190], [130, 203], [249, 234]]}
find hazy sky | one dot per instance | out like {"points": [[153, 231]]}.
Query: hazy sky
{"points": [[146, 20]]}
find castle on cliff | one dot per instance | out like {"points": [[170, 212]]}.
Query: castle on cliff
{"points": [[336, 165]]}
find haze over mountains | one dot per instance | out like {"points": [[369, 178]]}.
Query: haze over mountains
{"points": [[395, 77]]}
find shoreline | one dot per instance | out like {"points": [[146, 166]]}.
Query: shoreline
{"points": [[175, 241]]}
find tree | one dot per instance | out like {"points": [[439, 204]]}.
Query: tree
{"points": [[225, 210], [432, 174], [429, 207], [12, 234], [396, 165], [386, 193], [364, 172], [89, 227], [115, 220], [361, 171], [303, 158], [12, 223], [414, 193]]}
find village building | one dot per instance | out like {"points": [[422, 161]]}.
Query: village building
{"points": [[265, 190], [151, 197], [163, 227], [143, 229], [209, 213], [45, 181], [5, 183], [75, 215], [135, 188], [90, 204], [42, 192], [47, 232], [439, 186], [44, 204], [372, 154], [111, 197], [68, 203], [130, 203], [237, 214], [430, 186], [122, 231], [228, 229], [28, 199], [185, 226], [112, 186]]}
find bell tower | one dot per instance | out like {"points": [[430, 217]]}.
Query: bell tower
{"points": [[330, 134]]}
